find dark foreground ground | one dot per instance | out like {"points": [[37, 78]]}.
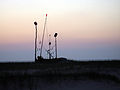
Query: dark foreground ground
{"points": [[60, 75]]}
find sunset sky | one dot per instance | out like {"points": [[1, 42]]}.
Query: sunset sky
{"points": [[87, 29]]}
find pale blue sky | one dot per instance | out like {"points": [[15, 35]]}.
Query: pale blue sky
{"points": [[88, 29]]}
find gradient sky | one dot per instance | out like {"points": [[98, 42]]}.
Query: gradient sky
{"points": [[88, 29]]}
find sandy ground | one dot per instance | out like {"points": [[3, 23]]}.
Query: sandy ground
{"points": [[37, 83], [60, 76]]}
